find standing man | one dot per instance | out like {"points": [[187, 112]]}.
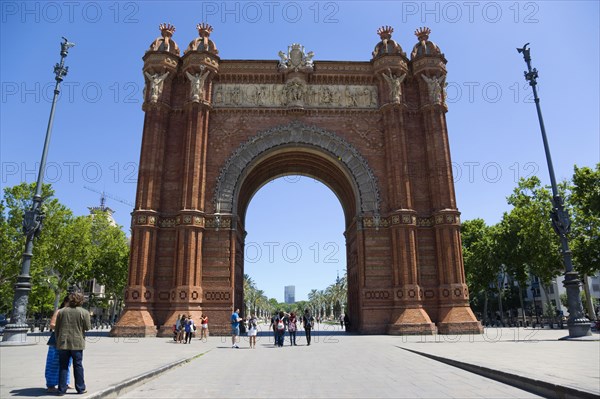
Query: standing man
{"points": [[308, 322], [235, 328], [71, 324]]}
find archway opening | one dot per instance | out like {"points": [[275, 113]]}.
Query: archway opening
{"points": [[297, 209], [295, 249]]}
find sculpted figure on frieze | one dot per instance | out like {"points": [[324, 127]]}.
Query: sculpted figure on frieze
{"points": [[435, 87], [197, 83], [395, 85], [156, 82]]}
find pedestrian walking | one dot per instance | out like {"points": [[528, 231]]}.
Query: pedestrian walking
{"points": [[292, 328], [273, 327], [71, 324], [52, 361], [189, 330], [308, 322], [181, 331], [204, 327], [235, 328], [280, 323], [252, 330], [178, 328]]}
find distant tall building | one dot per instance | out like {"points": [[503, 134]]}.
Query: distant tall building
{"points": [[289, 294]]}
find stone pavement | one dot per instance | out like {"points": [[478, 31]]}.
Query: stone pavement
{"points": [[336, 365]]}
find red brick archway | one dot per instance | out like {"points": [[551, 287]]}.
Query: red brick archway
{"points": [[374, 132]]}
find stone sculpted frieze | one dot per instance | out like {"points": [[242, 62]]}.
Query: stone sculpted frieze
{"points": [[294, 93]]}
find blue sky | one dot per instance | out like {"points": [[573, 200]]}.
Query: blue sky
{"points": [[493, 129]]}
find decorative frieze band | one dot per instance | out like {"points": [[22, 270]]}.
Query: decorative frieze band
{"points": [[208, 221], [294, 93], [410, 219]]}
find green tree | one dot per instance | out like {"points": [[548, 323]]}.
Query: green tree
{"points": [[480, 261], [110, 254], [585, 228], [62, 251], [11, 249], [537, 243]]}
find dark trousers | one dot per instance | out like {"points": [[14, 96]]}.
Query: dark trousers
{"points": [[280, 337], [307, 333], [64, 356], [293, 337]]}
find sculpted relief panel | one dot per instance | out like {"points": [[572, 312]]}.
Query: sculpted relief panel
{"points": [[294, 93]]}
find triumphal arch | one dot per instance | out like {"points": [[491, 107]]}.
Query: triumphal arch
{"points": [[374, 132]]}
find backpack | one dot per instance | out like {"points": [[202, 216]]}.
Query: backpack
{"points": [[291, 326], [280, 325], [307, 322]]}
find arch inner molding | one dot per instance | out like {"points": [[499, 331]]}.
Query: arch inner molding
{"points": [[296, 133]]}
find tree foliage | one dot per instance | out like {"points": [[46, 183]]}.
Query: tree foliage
{"points": [[479, 247], [532, 240], [585, 210], [69, 250], [110, 254]]}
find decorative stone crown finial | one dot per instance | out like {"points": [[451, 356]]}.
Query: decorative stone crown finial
{"points": [[424, 46], [165, 41], [204, 29], [423, 34], [203, 43], [166, 29], [387, 45], [385, 32]]}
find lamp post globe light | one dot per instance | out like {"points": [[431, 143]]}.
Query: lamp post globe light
{"points": [[578, 324], [15, 332]]}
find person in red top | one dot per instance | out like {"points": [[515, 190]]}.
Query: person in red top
{"points": [[204, 325], [292, 328]]}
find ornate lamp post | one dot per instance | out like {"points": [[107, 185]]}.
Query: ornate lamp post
{"points": [[15, 333], [578, 324]]}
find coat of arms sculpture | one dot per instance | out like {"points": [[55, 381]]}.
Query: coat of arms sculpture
{"points": [[296, 59]]}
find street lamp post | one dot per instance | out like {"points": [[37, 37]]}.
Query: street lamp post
{"points": [[578, 324], [15, 333]]}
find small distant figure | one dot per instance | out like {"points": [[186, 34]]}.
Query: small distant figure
{"points": [[273, 326], [292, 328], [280, 323], [346, 321], [252, 330], [204, 327], [178, 328], [181, 330], [307, 321], [71, 324], [189, 330], [341, 322], [235, 328]]}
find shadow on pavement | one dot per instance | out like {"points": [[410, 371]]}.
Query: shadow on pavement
{"points": [[31, 392]]}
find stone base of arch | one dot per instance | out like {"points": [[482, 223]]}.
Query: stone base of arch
{"points": [[135, 323], [411, 321], [458, 320]]}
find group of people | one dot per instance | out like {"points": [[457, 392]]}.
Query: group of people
{"points": [[185, 328], [280, 323], [66, 345]]}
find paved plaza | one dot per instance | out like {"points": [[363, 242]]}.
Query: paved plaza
{"points": [[335, 365]]}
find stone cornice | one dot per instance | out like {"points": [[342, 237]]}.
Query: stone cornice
{"points": [[410, 217]]}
